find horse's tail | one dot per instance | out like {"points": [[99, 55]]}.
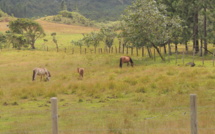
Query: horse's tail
{"points": [[33, 77], [120, 62], [132, 63]]}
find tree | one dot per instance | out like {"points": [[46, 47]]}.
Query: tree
{"points": [[54, 39], [93, 38], [196, 15], [108, 34], [79, 43], [28, 28], [146, 23], [2, 40]]}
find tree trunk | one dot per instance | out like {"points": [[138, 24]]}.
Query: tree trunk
{"points": [[164, 47], [119, 45], [176, 48], [201, 47], [149, 52], [169, 49], [137, 51], [123, 48], [205, 32], [195, 32], [32, 46], [142, 51], [158, 50], [186, 47]]}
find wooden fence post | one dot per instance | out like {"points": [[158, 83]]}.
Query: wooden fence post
{"points": [[213, 59], [54, 115], [72, 50], [193, 114], [183, 58]]}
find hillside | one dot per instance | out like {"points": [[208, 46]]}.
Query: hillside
{"points": [[62, 28], [53, 27], [101, 10]]}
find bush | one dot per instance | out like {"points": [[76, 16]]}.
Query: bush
{"points": [[67, 17]]}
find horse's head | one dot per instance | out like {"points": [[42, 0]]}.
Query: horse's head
{"points": [[48, 76], [132, 64]]}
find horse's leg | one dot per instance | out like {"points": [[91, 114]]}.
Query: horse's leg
{"points": [[127, 63], [34, 76]]}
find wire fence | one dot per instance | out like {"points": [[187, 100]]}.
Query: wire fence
{"points": [[132, 120]]}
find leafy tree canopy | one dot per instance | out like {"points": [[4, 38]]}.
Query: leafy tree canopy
{"points": [[28, 28]]}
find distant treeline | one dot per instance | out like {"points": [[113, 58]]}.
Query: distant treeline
{"points": [[100, 10]]}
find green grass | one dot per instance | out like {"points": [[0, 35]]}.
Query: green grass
{"points": [[148, 97]]}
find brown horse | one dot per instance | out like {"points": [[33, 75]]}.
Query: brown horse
{"points": [[41, 72], [81, 72], [126, 59]]}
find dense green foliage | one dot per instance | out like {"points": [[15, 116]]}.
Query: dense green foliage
{"points": [[93, 9], [145, 25], [67, 17], [25, 31], [4, 17], [198, 17]]}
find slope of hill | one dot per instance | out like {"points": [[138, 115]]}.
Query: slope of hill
{"points": [[62, 28], [94, 9], [53, 27]]}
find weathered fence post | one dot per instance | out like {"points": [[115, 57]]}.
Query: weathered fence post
{"points": [[72, 50], [213, 59], [193, 114], [85, 50], [142, 51], [203, 59], [54, 115]]}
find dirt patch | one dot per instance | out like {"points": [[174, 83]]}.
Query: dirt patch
{"points": [[55, 27], [63, 28]]}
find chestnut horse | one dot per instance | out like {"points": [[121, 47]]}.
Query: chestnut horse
{"points": [[126, 59], [81, 72], [41, 72]]}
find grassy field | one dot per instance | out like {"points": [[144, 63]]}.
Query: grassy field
{"points": [[150, 98]]}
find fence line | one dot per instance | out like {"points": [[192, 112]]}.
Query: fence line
{"points": [[183, 113], [180, 54], [193, 115]]}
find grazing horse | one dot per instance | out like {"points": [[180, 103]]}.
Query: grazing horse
{"points": [[81, 72], [126, 59], [41, 72]]}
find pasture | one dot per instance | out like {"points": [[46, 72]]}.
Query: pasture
{"points": [[151, 98]]}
